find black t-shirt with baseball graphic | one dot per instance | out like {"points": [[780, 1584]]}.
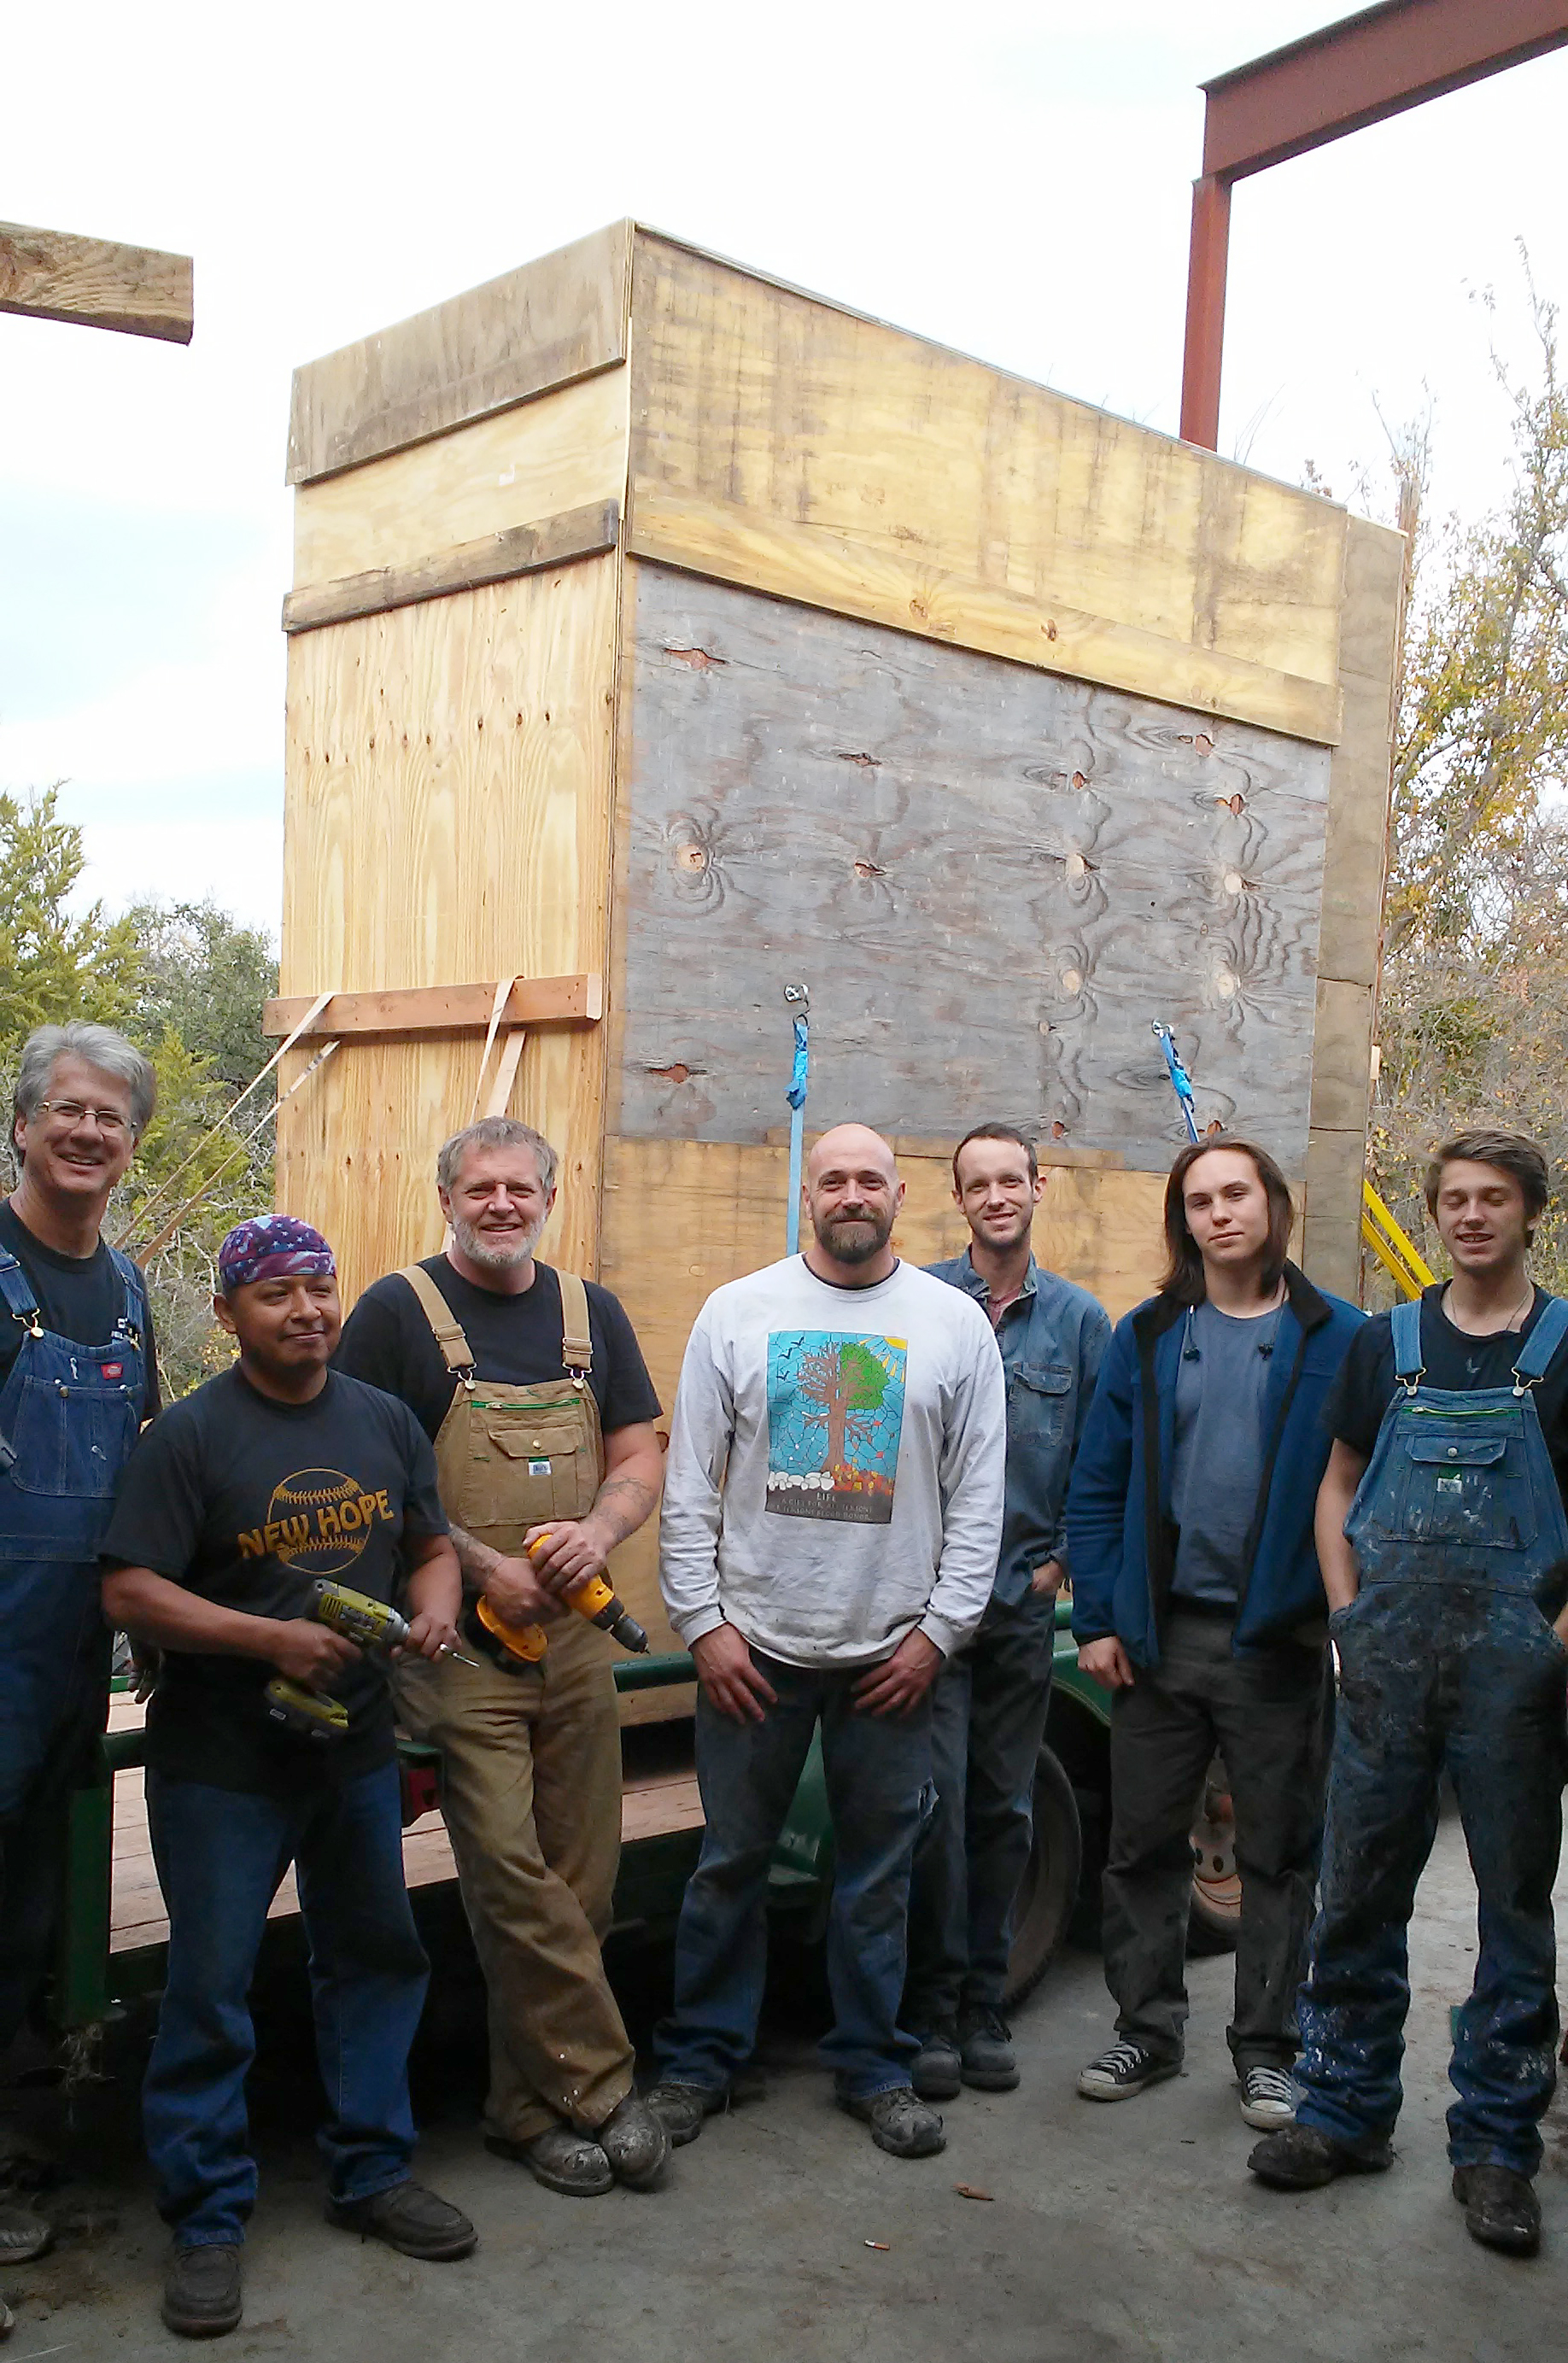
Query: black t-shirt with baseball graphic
{"points": [[247, 1501]]}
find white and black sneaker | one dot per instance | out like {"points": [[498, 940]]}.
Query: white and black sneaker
{"points": [[1125, 2069], [1268, 2099]]}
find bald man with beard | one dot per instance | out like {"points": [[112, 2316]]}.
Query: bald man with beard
{"points": [[832, 1515]]}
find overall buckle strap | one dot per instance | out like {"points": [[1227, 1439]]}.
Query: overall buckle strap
{"points": [[1404, 1321], [1534, 1357], [576, 1345], [447, 1328]]}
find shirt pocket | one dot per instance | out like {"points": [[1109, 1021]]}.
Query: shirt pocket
{"points": [[1463, 1484], [1039, 1400], [526, 1462]]}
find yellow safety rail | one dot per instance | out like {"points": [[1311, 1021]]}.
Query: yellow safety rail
{"points": [[1394, 1248]]}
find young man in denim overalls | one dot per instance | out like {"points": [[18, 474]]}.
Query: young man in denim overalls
{"points": [[1450, 1457], [77, 1378]]}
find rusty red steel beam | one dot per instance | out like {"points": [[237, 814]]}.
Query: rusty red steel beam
{"points": [[1357, 72]]}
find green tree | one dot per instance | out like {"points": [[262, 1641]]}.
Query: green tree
{"points": [[1474, 1010], [54, 965]]}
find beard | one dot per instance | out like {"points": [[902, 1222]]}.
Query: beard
{"points": [[483, 1248], [852, 1238]]}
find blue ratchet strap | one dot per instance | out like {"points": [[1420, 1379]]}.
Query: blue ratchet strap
{"points": [[795, 1095], [1181, 1082]]}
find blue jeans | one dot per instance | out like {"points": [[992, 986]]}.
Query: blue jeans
{"points": [[878, 1776], [988, 1715], [221, 1854], [1432, 1674]]}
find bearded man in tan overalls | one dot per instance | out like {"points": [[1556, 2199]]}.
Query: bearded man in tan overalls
{"points": [[533, 1388]]}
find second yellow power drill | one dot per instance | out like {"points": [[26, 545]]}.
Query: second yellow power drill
{"points": [[593, 1598]]}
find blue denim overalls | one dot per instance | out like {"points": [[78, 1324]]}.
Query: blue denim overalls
{"points": [[68, 1415], [1445, 1657]]}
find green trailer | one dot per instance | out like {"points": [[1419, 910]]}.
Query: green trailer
{"points": [[1072, 1781]]}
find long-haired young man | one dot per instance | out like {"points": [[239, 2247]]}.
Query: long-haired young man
{"points": [[1197, 1599]]}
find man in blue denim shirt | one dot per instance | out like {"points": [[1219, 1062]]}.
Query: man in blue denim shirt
{"points": [[990, 1699]]}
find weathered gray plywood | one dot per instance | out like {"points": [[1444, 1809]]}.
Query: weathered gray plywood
{"points": [[992, 878]]}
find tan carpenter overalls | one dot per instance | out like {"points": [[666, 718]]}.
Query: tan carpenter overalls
{"points": [[531, 1768]]}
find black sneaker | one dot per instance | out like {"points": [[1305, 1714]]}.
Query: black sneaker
{"points": [[937, 2071], [203, 2291], [1501, 2209], [682, 2109], [1301, 2158], [985, 2048], [410, 2219], [24, 2234], [1125, 2069], [900, 2123]]}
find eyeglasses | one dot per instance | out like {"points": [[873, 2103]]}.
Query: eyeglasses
{"points": [[70, 1112]]}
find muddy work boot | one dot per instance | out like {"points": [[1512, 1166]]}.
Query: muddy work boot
{"points": [[900, 2123], [203, 2291], [937, 2070], [1501, 2209], [1301, 2158], [636, 2144], [682, 2109], [570, 2163], [410, 2219], [985, 2048]]}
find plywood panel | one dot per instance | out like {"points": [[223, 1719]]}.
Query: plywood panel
{"points": [[546, 324], [756, 396], [448, 817], [566, 450], [992, 880]]}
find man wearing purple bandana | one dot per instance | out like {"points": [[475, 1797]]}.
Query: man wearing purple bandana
{"points": [[278, 1475]]}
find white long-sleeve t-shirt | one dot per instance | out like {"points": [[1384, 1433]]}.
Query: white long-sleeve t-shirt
{"points": [[835, 1467]]}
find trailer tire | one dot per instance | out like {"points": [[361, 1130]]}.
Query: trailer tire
{"points": [[1048, 1892], [1215, 1918]]}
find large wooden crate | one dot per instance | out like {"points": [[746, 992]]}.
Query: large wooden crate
{"points": [[662, 636]]}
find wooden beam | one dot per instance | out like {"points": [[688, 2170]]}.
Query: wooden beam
{"points": [[547, 324], [51, 275], [495, 558], [444, 1008]]}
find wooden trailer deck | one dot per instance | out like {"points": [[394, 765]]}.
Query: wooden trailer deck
{"points": [[655, 1802]]}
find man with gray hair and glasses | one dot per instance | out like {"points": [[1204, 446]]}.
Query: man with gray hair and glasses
{"points": [[532, 1386], [77, 1378]]}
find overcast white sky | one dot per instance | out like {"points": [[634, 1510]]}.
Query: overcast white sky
{"points": [[1013, 180]]}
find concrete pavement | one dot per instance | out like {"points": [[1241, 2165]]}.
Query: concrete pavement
{"points": [[1121, 2232]]}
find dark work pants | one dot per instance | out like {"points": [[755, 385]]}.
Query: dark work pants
{"points": [[987, 1722], [1266, 1713], [878, 1775]]}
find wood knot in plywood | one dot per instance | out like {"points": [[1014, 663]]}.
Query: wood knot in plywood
{"points": [[699, 659], [1058, 1129], [1235, 804], [862, 763], [692, 857], [678, 1073], [869, 870]]}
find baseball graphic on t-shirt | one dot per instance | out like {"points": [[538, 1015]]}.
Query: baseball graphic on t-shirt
{"points": [[317, 1521]]}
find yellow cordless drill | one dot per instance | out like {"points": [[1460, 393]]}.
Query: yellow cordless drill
{"points": [[371, 1625], [593, 1598]]}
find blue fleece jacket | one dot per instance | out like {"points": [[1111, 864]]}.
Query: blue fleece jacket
{"points": [[1120, 1534]]}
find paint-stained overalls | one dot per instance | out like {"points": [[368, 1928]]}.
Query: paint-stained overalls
{"points": [[69, 1416], [1445, 1657]]}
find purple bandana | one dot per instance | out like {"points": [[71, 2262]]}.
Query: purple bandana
{"points": [[272, 1246]]}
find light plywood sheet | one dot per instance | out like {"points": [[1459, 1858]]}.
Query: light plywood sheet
{"points": [[564, 451], [545, 325], [992, 880], [760, 398], [448, 817]]}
